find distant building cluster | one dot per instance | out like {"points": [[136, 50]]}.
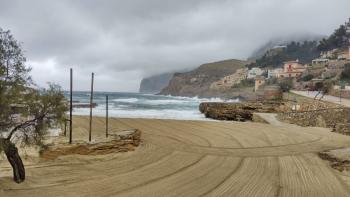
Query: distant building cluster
{"points": [[291, 69], [327, 65]]}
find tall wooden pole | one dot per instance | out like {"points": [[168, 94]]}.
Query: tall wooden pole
{"points": [[106, 115], [71, 106], [65, 127], [91, 100]]}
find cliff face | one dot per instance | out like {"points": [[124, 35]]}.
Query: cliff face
{"points": [[155, 84], [197, 82]]}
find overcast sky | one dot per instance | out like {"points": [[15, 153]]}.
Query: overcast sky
{"points": [[125, 40]]}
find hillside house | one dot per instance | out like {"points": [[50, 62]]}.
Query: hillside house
{"points": [[274, 73], [344, 55], [328, 54], [254, 72], [292, 69], [320, 61], [230, 80], [259, 81]]}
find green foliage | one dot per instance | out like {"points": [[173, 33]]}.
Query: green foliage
{"points": [[272, 81], [305, 52], [245, 83], [307, 77], [25, 110], [337, 40], [345, 74], [286, 85], [323, 87]]}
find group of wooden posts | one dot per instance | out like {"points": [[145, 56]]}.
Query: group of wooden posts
{"points": [[70, 120]]}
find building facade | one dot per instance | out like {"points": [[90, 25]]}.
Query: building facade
{"points": [[230, 80], [259, 81], [255, 72], [273, 73], [292, 69]]}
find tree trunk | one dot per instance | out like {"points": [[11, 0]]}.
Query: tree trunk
{"points": [[317, 95], [15, 160], [321, 97]]}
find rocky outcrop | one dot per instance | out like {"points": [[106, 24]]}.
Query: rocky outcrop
{"points": [[197, 82], [339, 158], [121, 141], [154, 84], [238, 111]]}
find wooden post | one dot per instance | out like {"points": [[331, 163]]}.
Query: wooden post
{"points": [[71, 106], [65, 127], [106, 116], [91, 100]]}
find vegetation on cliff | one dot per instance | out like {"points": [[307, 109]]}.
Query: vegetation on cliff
{"points": [[304, 51], [339, 39]]}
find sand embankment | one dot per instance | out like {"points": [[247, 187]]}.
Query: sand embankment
{"points": [[192, 158]]}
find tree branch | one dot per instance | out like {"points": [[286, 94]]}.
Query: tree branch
{"points": [[25, 124]]}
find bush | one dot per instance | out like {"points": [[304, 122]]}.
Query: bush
{"points": [[345, 74], [286, 85], [245, 83], [307, 77]]}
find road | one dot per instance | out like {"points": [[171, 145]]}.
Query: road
{"points": [[192, 158]]}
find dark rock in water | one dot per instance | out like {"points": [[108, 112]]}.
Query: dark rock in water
{"points": [[237, 111], [84, 105]]}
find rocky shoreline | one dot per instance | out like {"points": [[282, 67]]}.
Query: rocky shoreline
{"points": [[242, 111], [306, 113]]}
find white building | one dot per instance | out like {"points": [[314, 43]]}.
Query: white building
{"points": [[320, 61], [274, 72], [254, 72]]}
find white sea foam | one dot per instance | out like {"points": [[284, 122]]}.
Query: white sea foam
{"points": [[142, 113], [126, 100], [131, 105]]}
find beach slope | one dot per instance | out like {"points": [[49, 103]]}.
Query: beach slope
{"points": [[192, 158]]}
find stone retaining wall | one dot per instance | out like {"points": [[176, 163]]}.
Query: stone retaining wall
{"points": [[342, 93], [336, 118]]}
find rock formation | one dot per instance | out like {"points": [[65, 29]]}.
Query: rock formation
{"points": [[197, 82], [238, 111], [155, 84]]}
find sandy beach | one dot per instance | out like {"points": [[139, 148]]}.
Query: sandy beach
{"points": [[192, 158]]}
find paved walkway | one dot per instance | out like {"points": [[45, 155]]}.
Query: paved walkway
{"points": [[333, 99]]}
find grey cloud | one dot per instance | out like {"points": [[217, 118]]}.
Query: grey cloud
{"points": [[123, 41]]}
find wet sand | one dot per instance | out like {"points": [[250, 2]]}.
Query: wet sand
{"points": [[192, 158]]}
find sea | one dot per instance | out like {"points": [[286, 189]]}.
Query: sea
{"points": [[135, 105]]}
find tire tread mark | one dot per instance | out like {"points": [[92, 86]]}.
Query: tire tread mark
{"points": [[238, 167]]}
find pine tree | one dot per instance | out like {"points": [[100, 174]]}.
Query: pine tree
{"points": [[26, 112]]}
